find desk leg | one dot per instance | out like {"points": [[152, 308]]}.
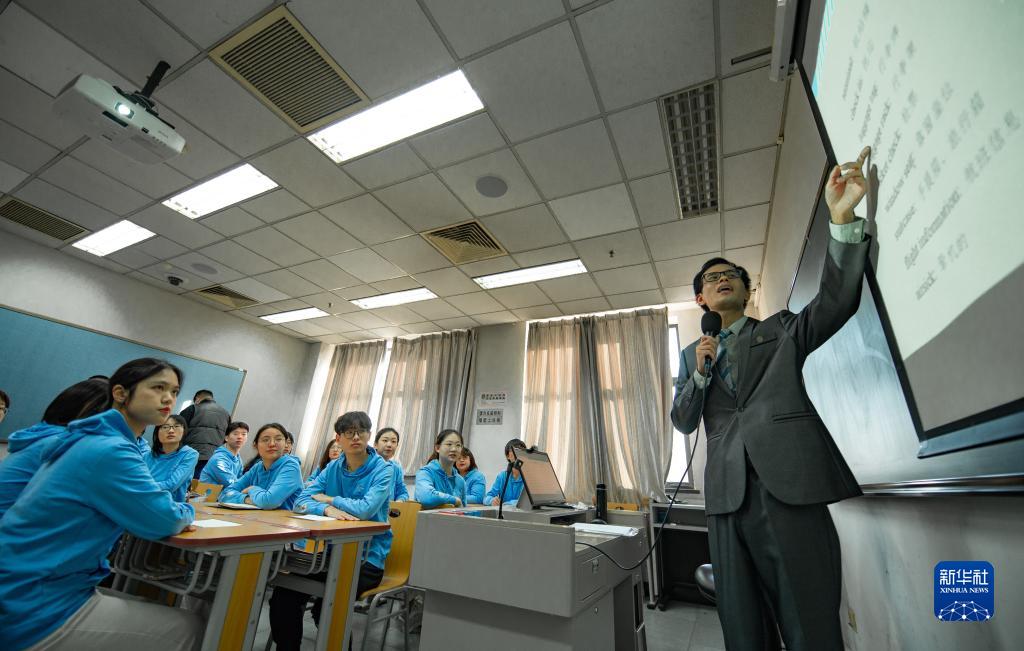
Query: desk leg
{"points": [[237, 602], [339, 596]]}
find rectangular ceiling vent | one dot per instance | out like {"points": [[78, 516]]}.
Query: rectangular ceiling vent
{"points": [[225, 296], [466, 242], [691, 126], [284, 66], [38, 220]]}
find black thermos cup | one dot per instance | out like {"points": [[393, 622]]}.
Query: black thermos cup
{"points": [[602, 503]]}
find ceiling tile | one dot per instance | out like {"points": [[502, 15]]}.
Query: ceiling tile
{"points": [[536, 84], [22, 150], [110, 265], [386, 45], [749, 258], [399, 284], [367, 219], [330, 303], [319, 234], [10, 176], [424, 203], [569, 288], [425, 327], [747, 178], [571, 160], [29, 109], [585, 306], [636, 299], [202, 156], [464, 139], [640, 49], [596, 212], [475, 303], [358, 291], [175, 226], [245, 125], [238, 257], [132, 258], [386, 166], [325, 274], [628, 248], [307, 328], [162, 270], [397, 314], [334, 324], [145, 278], [156, 181], [256, 290], [544, 256], [161, 248], [366, 265], [231, 221], [746, 226], [274, 246], [274, 308], [206, 267], [80, 179], [458, 323], [537, 312], [287, 282], [680, 271], [656, 200], [639, 137], [744, 27], [412, 254], [627, 279], [304, 171], [476, 25], [209, 21], [63, 204], [462, 180], [515, 296], [679, 294], [687, 237], [447, 282], [334, 339], [494, 318], [751, 111], [489, 266], [390, 331], [365, 319], [275, 206], [526, 228]]}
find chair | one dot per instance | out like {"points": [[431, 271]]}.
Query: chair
{"points": [[210, 491], [624, 506], [393, 586], [705, 578]]}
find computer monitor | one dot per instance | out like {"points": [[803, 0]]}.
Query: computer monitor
{"points": [[540, 483]]}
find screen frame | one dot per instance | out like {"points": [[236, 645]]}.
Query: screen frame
{"points": [[522, 454]]}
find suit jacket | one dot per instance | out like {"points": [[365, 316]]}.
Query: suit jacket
{"points": [[770, 419]]}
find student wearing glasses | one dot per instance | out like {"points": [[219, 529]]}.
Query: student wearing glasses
{"points": [[355, 487], [476, 483], [386, 444], [273, 483], [438, 483], [225, 465], [170, 462]]}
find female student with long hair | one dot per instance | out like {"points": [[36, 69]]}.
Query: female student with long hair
{"points": [[355, 487], [276, 481], [55, 540], [438, 483], [515, 482], [171, 463], [476, 483], [225, 464], [27, 446], [386, 443], [331, 452], [289, 443]]}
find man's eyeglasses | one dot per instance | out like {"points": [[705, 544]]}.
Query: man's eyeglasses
{"points": [[167, 428], [714, 276], [353, 434]]}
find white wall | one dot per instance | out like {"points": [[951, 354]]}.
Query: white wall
{"points": [[52, 284]]}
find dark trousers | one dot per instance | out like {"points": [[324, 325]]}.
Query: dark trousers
{"points": [[774, 562], [199, 468], [287, 606]]}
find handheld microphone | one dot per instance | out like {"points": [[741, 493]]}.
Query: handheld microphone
{"points": [[710, 325]]}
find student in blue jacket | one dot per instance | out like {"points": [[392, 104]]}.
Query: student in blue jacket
{"points": [[171, 463], [356, 486], [55, 540], [476, 483], [27, 446], [515, 483], [438, 483], [386, 444], [331, 452], [275, 482], [225, 464]]}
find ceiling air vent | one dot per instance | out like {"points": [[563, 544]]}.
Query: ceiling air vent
{"points": [[38, 220], [466, 242], [225, 296], [691, 128], [281, 63]]}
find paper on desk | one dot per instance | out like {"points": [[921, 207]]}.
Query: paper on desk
{"points": [[215, 523], [315, 517], [605, 529]]}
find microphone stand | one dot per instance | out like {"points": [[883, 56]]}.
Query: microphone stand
{"points": [[508, 475]]}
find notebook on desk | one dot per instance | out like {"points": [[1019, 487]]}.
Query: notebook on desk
{"points": [[227, 505]]}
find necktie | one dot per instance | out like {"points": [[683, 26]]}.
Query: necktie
{"points": [[724, 365]]}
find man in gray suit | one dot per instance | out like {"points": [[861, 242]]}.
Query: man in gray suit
{"points": [[772, 467]]}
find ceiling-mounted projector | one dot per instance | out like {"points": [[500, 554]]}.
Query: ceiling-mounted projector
{"points": [[127, 122]]}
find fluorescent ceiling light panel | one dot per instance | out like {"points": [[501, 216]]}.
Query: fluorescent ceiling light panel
{"points": [[532, 274], [221, 191], [295, 315], [113, 238], [440, 101], [395, 298]]}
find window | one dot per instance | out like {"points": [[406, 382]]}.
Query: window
{"points": [[378, 385], [680, 442]]}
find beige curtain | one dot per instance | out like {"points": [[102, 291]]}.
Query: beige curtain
{"points": [[349, 387], [426, 390]]}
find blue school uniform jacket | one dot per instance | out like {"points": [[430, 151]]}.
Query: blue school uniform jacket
{"points": [[276, 488], [26, 448], [399, 492], [223, 467], [54, 541], [365, 493], [434, 488], [512, 492], [476, 484], [173, 472]]}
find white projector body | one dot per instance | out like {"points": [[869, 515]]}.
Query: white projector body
{"points": [[117, 120]]}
